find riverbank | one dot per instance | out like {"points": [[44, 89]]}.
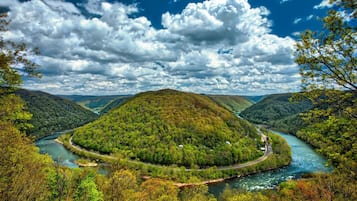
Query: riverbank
{"points": [[181, 175], [304, 160], [85, 163], [58, 141], [220, 180], [268, 151]]}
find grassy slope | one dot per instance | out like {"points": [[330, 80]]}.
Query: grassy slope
{"points": [[235, 104], [52, 113], [152, 125], [278, 112]]}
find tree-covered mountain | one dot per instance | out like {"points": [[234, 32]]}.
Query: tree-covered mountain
{"points": [[172, 127], [278, 112], [96, 103], [115, 103], [52, 113], [234, 104]]}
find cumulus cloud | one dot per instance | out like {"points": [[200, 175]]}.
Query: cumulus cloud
{"points": [[217, 46], [218, 21], [61, 6]]}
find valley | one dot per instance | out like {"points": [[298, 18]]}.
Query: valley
{"points": [[309, 162], [221, 170], [258, 173], [181, 100]]}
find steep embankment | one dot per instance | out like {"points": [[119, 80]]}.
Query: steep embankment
{"points": [[278, 112], [52, 113], [172, 127]]}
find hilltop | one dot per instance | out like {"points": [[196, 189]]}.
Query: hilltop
{"points": [[278, 112], [52, 113], [103, 104], [172, 127]]}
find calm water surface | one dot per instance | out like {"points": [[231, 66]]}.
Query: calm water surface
{"points": [[304, 160], [57, 151]]}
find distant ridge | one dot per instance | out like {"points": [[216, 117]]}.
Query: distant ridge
{"points": [[255, 99], [278, 112], [97, 104]]}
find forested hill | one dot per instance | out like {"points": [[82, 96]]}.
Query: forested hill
{"points": [[52, 113], [97, 104], [115, 103], [172, 127], [278, 112], [234, 104]]}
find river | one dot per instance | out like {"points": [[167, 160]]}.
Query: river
{"points": [[304, 160], [57, 151]]}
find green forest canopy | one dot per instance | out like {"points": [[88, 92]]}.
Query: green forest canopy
{"points": [[172, 127], [52, 113], [232, 103], [278, 112], [97, 103]]}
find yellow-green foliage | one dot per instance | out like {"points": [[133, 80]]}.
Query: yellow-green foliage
{"points": [[232, 103], [171, 127]]}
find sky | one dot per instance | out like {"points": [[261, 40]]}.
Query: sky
{"points": [[105, 47]]}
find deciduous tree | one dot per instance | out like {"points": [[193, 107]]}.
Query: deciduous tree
{"points": [[19, 158], [328, 66], [328, 58], [158, 190], [122, 185]]}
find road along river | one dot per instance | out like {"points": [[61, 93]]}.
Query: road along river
{"points": [[304, 160]]}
